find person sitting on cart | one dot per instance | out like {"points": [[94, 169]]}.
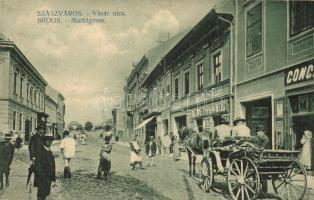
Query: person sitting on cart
{"points": [[240, 129], [222, 131]]}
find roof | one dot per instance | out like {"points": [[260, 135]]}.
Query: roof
{"points": [[53, 93], [156, 54], [187, 38], [6, 43]]}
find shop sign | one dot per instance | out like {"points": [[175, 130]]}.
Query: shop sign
{"points": [[300, 73], [219, 107]]}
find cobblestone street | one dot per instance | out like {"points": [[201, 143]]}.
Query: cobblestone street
{"points": [[166, 180]]}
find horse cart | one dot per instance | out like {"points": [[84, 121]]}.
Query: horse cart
{"points": [[247, 169]]}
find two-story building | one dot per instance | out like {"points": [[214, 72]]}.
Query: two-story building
{"points": [[275, 68], [22, 90], [191, 84]]}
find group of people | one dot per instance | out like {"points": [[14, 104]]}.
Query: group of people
{"points": [[43, 161]]}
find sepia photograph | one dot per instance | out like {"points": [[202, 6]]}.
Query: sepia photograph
{"points": [[156, 100]]}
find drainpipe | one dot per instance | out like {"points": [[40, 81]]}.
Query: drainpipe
{"points": [[231, 54]]}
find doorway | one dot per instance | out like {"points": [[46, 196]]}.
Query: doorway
{"points": [[27, 126], [299, 125], [259, 112]]}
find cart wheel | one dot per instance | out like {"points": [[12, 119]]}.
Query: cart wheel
{"points": [[206, 174], [292, 183], [243, 179]]}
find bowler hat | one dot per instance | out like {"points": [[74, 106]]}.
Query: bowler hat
{"points": [[238, 119], [223, 121], [48, 135]]}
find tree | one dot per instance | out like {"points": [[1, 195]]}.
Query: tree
{"points": [[88, 126]]}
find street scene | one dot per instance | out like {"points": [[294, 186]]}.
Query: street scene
{"points": [[156, 99]]}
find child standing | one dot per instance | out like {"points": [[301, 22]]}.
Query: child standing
{"points": [[305, 157], [135, 154], [151, 148], [105, 158]]}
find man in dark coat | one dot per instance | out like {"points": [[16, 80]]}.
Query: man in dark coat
{"points": [[45, 168], [34, 145], [151, 148], [6, 157]]}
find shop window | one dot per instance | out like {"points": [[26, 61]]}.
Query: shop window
{"points": [[254, 30], [294, 104], [186, 83], [301, 16], [176, 88], [200, 76], [217, 67], [303, 103]]}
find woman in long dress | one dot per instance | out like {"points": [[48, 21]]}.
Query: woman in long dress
{"points": [[135, 154], [305, 157]]}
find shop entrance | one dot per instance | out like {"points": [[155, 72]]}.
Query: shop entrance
{"points": [[260, 113], [299, 125], [180, 122], [151, 129]]}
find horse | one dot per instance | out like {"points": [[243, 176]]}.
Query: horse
{"points": [[194, 145]]}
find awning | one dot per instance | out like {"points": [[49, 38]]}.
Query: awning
{"points": [[146, 121]]}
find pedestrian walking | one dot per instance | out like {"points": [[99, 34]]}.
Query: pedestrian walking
{"points": [[45, 168], [159, 145], [176, 148], [171, 145], [151, 148], [166, 142], [6, 157], [67, 147], [34, 145], [105, 158], [83, 137], [305, 157], [240, 129], [135, 153]]}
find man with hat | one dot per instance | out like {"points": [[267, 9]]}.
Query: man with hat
{"points": [[45, 167], [6, 157], [34, 145], [151, 148], [240, 129]]}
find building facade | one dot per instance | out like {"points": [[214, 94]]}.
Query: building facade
{"points": [[191, 85], [275, 73], [51, 108], [55, 108], [247, 58], [22, 90]]}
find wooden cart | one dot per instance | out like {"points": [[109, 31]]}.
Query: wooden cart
{"points": [[247, 169]]}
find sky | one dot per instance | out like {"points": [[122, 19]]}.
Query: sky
{"points": [[89, 63]]}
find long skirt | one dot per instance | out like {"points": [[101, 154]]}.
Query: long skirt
{"points": [[135, 157]]}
